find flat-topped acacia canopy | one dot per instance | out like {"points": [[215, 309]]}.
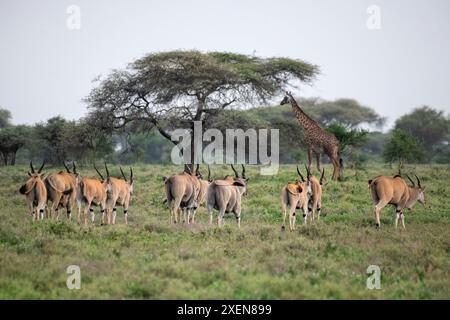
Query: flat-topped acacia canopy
{"points": [[169, 90]]}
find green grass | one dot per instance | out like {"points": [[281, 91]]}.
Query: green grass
{"points": [[151, 259]]}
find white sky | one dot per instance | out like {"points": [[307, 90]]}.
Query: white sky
{"points": [[46, 69]]}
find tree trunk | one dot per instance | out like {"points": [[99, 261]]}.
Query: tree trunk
{"points": [[198, 117], [400, 166], [192, 146], [13, 158]]}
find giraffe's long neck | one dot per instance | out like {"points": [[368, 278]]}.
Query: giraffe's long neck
{"points": [[301, 116]]}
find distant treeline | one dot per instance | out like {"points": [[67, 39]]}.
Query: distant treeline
{"points": [[420, 136]]}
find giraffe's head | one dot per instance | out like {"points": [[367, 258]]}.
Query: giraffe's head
{"points": [[287, 98]]}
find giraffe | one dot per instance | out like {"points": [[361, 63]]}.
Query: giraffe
{"points": [[316, 139]]}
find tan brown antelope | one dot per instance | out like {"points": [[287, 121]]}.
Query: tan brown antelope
{"points": [[295, 196], [35, 193], [62, 190], [181, 193], [226, 196], [121, 191], [315, 197], [395, 191], [204, 184], [92, 191]]}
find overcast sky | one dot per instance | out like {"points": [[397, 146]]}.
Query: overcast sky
{"points": [[46, 68]]}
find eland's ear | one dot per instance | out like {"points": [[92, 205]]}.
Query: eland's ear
{"points": [[423, 188], [299, 189], [29, 173]]}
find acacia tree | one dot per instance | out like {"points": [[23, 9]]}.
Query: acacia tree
{"points": [[59, 140], [171, 90], [402, 147], [428, 125], [347, 112], [12, 138], [5, 118]]}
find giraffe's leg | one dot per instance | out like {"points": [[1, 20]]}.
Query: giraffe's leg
{"points": [[309, 157], [335, 168], [318, 161]]}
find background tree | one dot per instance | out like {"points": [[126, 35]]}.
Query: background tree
{"points": [[137, 142], [172, 89], [59, 140], [347, 137], [5, 118], [429, 126], [402, 147], [80, 141], [346, 112], [12, 138], [52, 140], [441, 151], [374, 145], [351, 140]]}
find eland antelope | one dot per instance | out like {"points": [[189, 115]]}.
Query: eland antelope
{"points": [[226, 196], [92, 191], [35, 192], [395, 191], [295, 196], [182, 193], [121, 191], [62, 190], [315, 197], [204, 185]]}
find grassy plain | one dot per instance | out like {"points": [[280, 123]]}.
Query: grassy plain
{"points": [[151, 259]]}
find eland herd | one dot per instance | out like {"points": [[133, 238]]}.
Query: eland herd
{"points": [[188, 190], [69, 188]]}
